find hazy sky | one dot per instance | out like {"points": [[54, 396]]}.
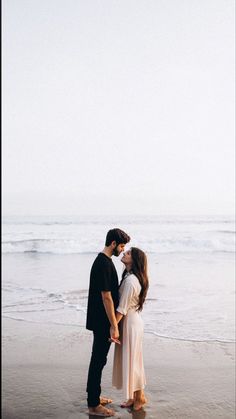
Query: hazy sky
{"points": [[118, 106]]}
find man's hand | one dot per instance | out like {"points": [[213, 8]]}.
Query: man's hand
{"points": [[114, 333]]}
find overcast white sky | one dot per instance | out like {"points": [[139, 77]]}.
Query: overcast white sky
{"points": [[118, 106]]}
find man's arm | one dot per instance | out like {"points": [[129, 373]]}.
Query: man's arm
{"points": [[109, 307]]}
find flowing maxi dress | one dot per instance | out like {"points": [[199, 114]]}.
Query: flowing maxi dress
{"points": [[128, 369]]}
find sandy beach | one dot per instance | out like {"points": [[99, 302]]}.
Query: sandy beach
{"points": [[45, 372]]}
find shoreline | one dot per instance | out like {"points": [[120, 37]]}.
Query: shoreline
{"points": [[145, 332], [185, 303], [45, 372]]}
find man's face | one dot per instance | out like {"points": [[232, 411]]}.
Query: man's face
{"points": [[118, 249]]}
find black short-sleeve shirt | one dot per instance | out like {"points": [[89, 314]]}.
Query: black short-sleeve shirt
{"points": [[103, 277]]}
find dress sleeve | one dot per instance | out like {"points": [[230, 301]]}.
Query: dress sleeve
{"points": [[126, 298]]}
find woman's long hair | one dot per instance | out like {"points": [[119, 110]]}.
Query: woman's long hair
{"points": [[139, 269]]}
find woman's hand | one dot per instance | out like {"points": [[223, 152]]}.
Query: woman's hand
{"points": [[115, 341]]}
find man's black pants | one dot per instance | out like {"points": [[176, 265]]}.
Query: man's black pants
{"points": [[101, 346]]}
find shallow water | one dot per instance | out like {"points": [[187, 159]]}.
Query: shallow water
{"points": [[190, 296]]}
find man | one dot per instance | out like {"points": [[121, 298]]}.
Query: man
{"points": [[103, 300]]}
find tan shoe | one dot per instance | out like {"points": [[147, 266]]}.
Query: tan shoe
{"points": [[101, 411], [105, 400], [129, 403], [138, 404]]}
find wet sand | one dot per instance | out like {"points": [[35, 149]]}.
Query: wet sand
{"points": [[44, 373]]}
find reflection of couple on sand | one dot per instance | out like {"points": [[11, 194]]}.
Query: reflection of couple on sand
{"points": [[113, 316]]}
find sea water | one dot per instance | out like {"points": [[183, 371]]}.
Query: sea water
{"points": [[191, 261]]}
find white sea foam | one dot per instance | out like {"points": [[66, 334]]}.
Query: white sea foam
{"points": [[154, 235]]}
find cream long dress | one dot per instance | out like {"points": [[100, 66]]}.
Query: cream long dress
{"points": [[128, 369]]}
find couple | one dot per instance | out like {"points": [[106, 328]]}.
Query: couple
{"points": [[110, 305]]}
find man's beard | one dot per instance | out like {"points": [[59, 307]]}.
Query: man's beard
{"points": [[115, 252]]}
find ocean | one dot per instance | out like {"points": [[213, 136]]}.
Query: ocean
{"points": [[46, 263]]}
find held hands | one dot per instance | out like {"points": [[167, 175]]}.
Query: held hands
{"points": [[114, 333]]}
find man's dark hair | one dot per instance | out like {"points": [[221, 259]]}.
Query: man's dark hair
{"points": [[117, 235]]}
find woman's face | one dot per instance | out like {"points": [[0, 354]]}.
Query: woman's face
{"points": [[127, 258]]}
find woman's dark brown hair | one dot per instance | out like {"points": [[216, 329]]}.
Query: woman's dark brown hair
{"points": [[139, 269]]}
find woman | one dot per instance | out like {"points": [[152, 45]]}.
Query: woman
{"points": [[128, 370]]}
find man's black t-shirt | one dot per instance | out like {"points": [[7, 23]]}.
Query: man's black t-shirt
{"points": [[103, 277]]}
